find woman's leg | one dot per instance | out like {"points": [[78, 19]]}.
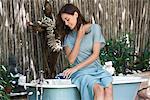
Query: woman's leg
{"points": [[108, 93], [98, 92]]}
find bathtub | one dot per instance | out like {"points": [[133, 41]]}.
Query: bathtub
{"points": [[124, 88], [53, 89]]}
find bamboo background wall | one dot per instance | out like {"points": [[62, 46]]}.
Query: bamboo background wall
{"points": [[116, 17]]}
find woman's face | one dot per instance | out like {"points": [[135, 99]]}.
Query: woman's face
{"points": [[70, 20]]}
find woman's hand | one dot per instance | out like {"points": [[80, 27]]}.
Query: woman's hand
{"points": [[68, 72], [81, 32]]}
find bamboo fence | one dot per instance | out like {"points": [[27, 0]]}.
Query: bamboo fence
{"points": [[116, 17]]}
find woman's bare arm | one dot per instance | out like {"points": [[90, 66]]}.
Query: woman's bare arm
{"points": [[95, 55], [72, 54], [92, 58]]}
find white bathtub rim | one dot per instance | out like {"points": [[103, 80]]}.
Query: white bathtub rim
{"points": [[116, 80], [51, 83], [127, 79], [49, 86]]}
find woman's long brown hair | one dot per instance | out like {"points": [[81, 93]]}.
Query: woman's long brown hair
{"points": [[69, 9]]}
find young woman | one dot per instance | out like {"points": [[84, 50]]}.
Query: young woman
{"points": [[83, 42]]}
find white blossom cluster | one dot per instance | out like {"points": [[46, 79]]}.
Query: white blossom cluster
{"points": [[53, 43]]}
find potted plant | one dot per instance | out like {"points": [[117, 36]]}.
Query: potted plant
{"points": [[5, 83], [122, 53]]}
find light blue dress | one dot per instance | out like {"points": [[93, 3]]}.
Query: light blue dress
{"points": [[86, 77]]}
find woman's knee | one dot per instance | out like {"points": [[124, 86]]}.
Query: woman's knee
{"points": [[98, 88], [109, 89]]}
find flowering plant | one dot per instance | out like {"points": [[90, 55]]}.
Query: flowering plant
{"points": [[5, 83], [124, 56], [120, 52]]}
